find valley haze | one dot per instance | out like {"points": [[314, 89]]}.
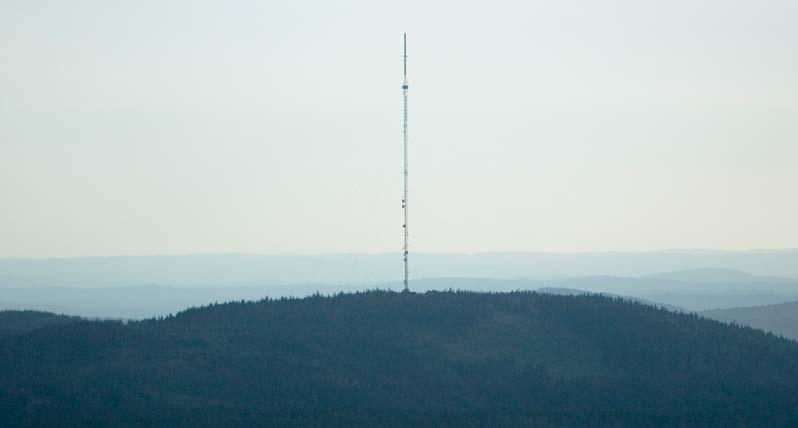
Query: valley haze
{"points": [[143, 286]]}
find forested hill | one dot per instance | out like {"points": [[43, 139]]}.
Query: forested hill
{"points": [[383, 358], [16, 322]]}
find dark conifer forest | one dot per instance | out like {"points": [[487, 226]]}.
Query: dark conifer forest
{"points": [[398, 359]]}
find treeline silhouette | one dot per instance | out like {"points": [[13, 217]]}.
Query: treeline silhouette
{"points": [[382, 358], [21, 321]]}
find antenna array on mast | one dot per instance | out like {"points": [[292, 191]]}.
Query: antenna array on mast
{"points": [[404, 135]]}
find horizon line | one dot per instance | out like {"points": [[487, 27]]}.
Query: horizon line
{"points": [[426, 253]]}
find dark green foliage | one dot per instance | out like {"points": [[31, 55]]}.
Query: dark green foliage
{"points": [[14, 321], [392, 359]]}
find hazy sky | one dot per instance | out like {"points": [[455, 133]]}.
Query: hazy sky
{"points": [[143, 127]]}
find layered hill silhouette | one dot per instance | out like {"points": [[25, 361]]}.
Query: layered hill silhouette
{"points": [[396, 359], [34, 285], [780, 319]]}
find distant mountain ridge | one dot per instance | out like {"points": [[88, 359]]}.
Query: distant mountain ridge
{"points": [[704, 275], [781, 319], [222, 270], [707, 292]]}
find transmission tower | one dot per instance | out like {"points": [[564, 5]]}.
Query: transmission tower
{"points": [[404, 137]]}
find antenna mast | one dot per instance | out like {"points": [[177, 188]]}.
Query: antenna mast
{"points": [[404, 135]]}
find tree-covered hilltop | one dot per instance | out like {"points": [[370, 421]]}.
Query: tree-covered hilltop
{"points": [[395, 359], [21, 321]]}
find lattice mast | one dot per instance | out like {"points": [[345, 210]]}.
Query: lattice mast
{"points": [[404, 137]]}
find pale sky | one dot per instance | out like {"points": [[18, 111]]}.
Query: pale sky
{"points": [[152, 127]]}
